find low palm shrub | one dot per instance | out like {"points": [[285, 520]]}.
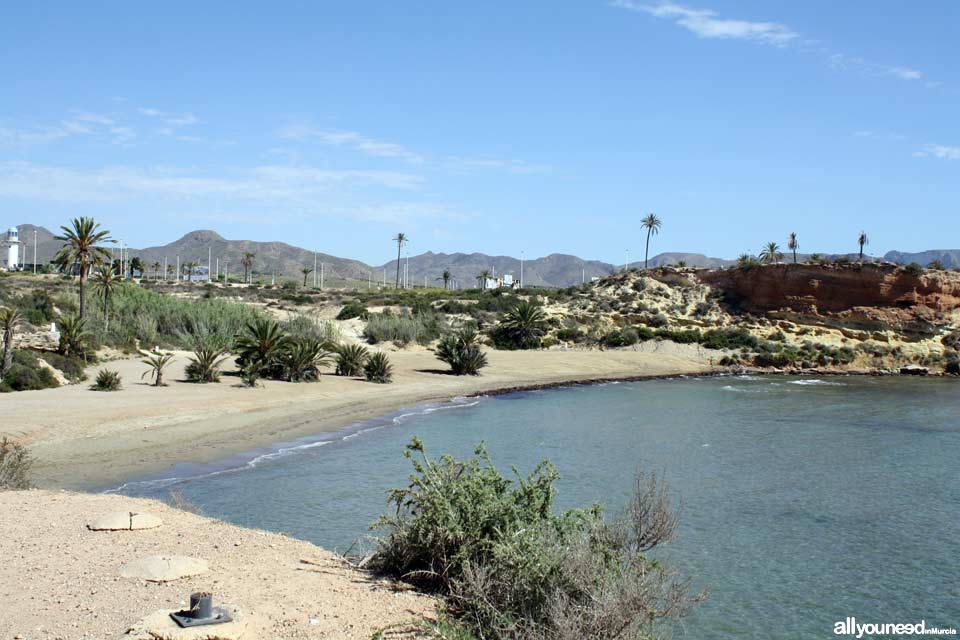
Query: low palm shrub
{"points": [[462, 352], [522, 327], [302, 359], [74, 336], [260, 345], [156, 363], [204, 365], [378, 368], [512, 567], [350, 359], [106, 380], [15, 463]]}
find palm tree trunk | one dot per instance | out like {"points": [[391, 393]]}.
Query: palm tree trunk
{"points": [[82, 297], [7, 351], [399, 244], [647, 252], [106, 310], [794, 256]]}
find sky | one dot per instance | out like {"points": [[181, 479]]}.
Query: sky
{"points": [[500, 127]]}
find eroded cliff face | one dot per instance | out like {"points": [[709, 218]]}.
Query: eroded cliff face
{"points": [[871, 296]]}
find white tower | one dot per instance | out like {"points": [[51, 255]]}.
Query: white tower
{"points": [[13, 248]]}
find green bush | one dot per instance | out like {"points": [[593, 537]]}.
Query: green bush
{"points": [[522, 327], [570, 334], [71, 368], [26, 374], [107, 380], [403, 329], [730, 339], [350, 359], [913, 269], [204, 365], [621, 338], [462, 352], [685, 336], [512, 567], [378, 368], [15, 463], [353, 309], [302, 359]]}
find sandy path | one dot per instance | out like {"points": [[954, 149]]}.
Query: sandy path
{"points": [[84, 439], [65, 583]]}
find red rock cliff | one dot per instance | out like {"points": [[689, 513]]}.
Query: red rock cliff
{"points": [[871, 296]]}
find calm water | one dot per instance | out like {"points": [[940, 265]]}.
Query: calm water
{"points": [[804, 501]]}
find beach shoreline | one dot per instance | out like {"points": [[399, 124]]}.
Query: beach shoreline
{"points": [[83, 440]]}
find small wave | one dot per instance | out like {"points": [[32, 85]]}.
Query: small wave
{"points": [[817, 382]]}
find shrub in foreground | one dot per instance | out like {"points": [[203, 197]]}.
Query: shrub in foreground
{"points": [[462, 352], [511, 567], [107, 380], [204, 365], [378, 368], [26, 374], [350, 359], [15, 463], [352, 309]]}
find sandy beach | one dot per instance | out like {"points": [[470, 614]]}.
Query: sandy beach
{"points": [[87, 440], [67, 582]]}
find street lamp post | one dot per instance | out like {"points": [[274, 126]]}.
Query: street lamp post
{"points": [[521, 269]]}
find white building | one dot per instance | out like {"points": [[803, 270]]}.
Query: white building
{"points": [[11, 250]]}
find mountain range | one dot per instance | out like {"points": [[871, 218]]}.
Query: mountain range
{"points": [[287, 261]]}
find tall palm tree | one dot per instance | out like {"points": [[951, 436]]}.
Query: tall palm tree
{"points": [[247, 262], [156, 270], [189, 267], [401, 240], [9, 319], [446, 277], [170, 270], [793, 245], [106, 281], [305, 271], [482, 278], [771, 253], [652, 224], [862, 240], [80, 247]]}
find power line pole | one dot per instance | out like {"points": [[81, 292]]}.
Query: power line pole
{"points": [[315, 270], [34, 252], [321, 276]]}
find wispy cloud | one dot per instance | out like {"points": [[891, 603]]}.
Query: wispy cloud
{"points": [[266, 183], [350, 139], [171, 122], [78, 123], [463, 165], [943, 152], [706, 23]]}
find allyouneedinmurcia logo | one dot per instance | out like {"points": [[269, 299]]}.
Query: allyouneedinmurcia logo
{"points": [[850, 627]]}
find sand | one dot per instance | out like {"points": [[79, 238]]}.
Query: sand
{"points": [[60, 580], [92, 440]]}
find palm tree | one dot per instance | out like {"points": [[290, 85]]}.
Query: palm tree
{"points": [[9, 319], [446, 277], [260, 345], [136, 264], [157, 362], [170, 270], [204, 365], [482, 278], [106, 281], [73, 336], [305, 271], [156, 270], [652, 224], [525, 324], [80, 247], [793, 245], [189, 267], [862, 240], [247, 262], [401, 240], [771, 253]]}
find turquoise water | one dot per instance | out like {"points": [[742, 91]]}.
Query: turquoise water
{"points": [[804, 501]]}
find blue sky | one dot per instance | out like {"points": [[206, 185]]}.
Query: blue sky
{"points": [[495, 126]]}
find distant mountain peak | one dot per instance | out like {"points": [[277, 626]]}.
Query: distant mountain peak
{"points": [[202, 235]]}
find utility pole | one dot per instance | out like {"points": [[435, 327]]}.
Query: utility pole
{"points": [[34, 252], [178, 268], [626, 264], [521, 269], [315, 270], [217, 275], [321, 276], [583, 276], [384, 277], [164, 268], [209, 260]]}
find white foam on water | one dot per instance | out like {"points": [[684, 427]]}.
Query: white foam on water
{"points": [[816, 381]]}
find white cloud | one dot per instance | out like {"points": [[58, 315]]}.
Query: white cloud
{"points": [[350, 139], [705, 23], [943, 152], [460, 164], [276, 184], [905, 73]]}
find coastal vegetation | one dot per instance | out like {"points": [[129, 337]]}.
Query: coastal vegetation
{"points": [[156, 363], [378, 369], [511, 566], [351, 359], [15, 463], [461, 350], [204, 366], [107, 380]]}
